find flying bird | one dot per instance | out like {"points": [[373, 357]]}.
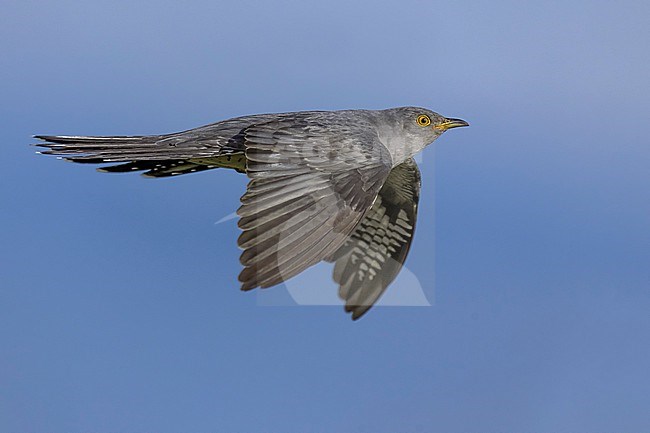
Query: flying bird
{"points": [[339, 186]]}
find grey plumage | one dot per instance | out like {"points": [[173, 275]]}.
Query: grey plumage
{"points": [[324, 185], [374, 253], [303, 178]]}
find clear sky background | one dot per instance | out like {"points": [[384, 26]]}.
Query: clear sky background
{"points": [[119, 306]]}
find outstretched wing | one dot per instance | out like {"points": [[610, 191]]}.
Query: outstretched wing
{"points": [[312, 180], [374, 254]]}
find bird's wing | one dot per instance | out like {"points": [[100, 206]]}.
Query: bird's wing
{"points": [[310, 184], [374, 254]]}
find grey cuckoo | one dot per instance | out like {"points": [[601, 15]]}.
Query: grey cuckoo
{"points": [[339, 186]]}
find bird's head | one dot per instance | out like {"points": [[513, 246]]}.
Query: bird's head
{"points": [[425, 123], [413, 128]]}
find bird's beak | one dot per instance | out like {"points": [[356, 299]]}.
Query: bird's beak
{"points": [[451, 123]]}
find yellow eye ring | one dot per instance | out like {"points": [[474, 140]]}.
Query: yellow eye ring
{"points": [[423, 120]]}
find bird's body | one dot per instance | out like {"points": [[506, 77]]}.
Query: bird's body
{"points": [[324, 185]]}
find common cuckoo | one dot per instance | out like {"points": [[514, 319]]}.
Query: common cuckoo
{"points": [[339, 186]]}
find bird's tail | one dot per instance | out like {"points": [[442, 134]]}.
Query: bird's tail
{"points": [[176, 167], [158, 155], [109, 149]]}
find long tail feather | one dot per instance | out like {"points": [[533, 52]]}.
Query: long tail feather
{"points": [[122, 149], [102, 149], [158, 168], [199, 149]]}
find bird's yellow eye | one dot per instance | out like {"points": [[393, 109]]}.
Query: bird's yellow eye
{"points": [[423, 120]]}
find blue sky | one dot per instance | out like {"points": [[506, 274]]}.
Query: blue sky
{"points": [[119, 306]]}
